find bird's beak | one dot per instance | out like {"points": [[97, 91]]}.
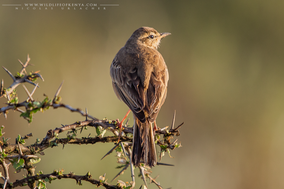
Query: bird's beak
{"points": [[162, 35]]}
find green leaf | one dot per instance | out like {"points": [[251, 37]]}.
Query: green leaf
{"points": [[47, 180], [118, 148], [19, 75], [37, 141], [20, 140], [1, 128], [163, 147], [178, 145], [3, 155], [5, 140], [35, 160], [41, 184], [98, 131], [36, 104], [18, 165]]}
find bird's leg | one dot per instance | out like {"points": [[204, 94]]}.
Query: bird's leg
{"points": [[120, 125], [155, 126]]}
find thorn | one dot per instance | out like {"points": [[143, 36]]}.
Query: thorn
{"points": [[21, 62], [123, 149], [81, 129], [120, 172], [20, 149], [28, 58], [126, 123], [153, 179], [40, 76], [109, 152], [28, 93], [143, 175], [34, 89], [14, 79], [25, 65], [58, 91], [165, 164], [178, 126], [175, 141], [18, 109], [2, 87], [174, 119], [131, 169], [5, 115], [86, 110], [8, 96], [164, 128]]}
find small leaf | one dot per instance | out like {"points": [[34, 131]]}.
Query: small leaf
{"points": [[18, 165], [163, 147], [41, 184], [98, 131], [20, 140], [35, 160], [1, 128]]}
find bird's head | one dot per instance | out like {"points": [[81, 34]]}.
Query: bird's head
{"points": [[148, 37]]}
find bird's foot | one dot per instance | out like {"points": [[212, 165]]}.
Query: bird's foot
{"points": [[120, 125], [156, 128]]}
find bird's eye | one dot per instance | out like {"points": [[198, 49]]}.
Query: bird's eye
{"points": [[151, 36]]}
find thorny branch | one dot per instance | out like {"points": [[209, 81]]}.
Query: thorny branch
{"points": [[23, 157], [20, 78], [58, 175]]}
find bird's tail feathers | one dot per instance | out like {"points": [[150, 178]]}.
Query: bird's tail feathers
{"points": [[144, 150]]}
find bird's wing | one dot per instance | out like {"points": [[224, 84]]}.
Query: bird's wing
{"points": [[128, 88], [157, 92]]}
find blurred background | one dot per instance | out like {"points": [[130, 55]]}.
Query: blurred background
{"points": [[226, 65]]}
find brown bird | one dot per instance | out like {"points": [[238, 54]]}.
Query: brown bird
{"points": [[139, 78]]}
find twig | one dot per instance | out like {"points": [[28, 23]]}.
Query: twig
{"points": [[154, 181], [142, 171], [6, 173], [17, 80], [10, 74], [56, 175]]}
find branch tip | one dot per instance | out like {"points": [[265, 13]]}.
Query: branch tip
{"points": [[10, 74], [28, 93], [58, 90], [174, 119]]}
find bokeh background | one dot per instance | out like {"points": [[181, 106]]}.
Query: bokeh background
{"points": [[226, 65]]}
